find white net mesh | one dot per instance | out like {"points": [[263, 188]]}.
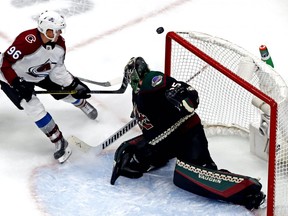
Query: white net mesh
{"points": [[226, 107]]}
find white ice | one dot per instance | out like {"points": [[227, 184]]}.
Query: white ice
{"points": [[101, 37]]}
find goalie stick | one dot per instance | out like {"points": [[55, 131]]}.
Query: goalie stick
{"points": [[121, 90], [97, 149]]}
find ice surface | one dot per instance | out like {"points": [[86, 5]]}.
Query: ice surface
{"points": [[82, 188]]}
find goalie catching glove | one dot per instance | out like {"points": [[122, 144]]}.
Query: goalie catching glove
{"points": [[183, 97]]}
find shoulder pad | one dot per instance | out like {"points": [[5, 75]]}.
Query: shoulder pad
{"points": [[156, 80], [153, 80]]}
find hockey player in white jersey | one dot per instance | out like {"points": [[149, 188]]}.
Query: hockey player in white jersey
{"points": [[36, 58]]}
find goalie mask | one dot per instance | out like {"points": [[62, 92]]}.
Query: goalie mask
{"points": [[135, 71], [51, 20]]}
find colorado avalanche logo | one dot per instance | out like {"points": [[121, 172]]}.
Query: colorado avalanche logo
{"points": [[156, 80], [30, 38], [41, 70]]}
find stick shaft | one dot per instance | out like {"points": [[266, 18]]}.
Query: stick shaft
{"points": [[121, 90], [118, 133]]}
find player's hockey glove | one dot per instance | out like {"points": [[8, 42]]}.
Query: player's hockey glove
{"points": [[183, 97], [83, 91], [23, 88]]}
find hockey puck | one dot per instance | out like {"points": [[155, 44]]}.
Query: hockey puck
{"points": [[160, 30]]}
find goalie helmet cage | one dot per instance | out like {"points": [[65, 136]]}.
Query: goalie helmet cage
{"points": [[211, 65]]}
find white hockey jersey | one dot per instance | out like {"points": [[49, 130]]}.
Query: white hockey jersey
{"points": [[28, 57]]}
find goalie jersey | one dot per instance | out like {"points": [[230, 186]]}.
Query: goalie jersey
{"points": [[154, 112]]}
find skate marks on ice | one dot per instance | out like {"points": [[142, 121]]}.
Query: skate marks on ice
{"points": [[81, 187]]}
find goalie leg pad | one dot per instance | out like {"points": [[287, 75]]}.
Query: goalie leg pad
{"points": [[220, 185]]}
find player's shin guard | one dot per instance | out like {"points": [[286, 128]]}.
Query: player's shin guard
{"points": [[48, 126], [221, 185]]}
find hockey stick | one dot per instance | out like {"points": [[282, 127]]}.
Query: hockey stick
{"points": [[121, 90], [105, 84], [97, 149]]}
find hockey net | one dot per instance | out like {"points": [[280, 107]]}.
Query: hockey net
{"points": [[233, 100]]}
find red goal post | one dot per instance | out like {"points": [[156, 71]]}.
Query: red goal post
{"points": [[227, 99]]}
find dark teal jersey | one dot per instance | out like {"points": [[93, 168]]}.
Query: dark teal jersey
{"points": [[154, 112]]}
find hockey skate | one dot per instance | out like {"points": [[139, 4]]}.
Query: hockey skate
{"points": [[88, 109], [62, 151]]}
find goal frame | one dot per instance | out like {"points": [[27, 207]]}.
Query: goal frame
{"points": [[173, 36]]}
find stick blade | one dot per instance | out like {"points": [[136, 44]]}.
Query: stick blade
{"points": [[83, 146], [80, 144]]}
